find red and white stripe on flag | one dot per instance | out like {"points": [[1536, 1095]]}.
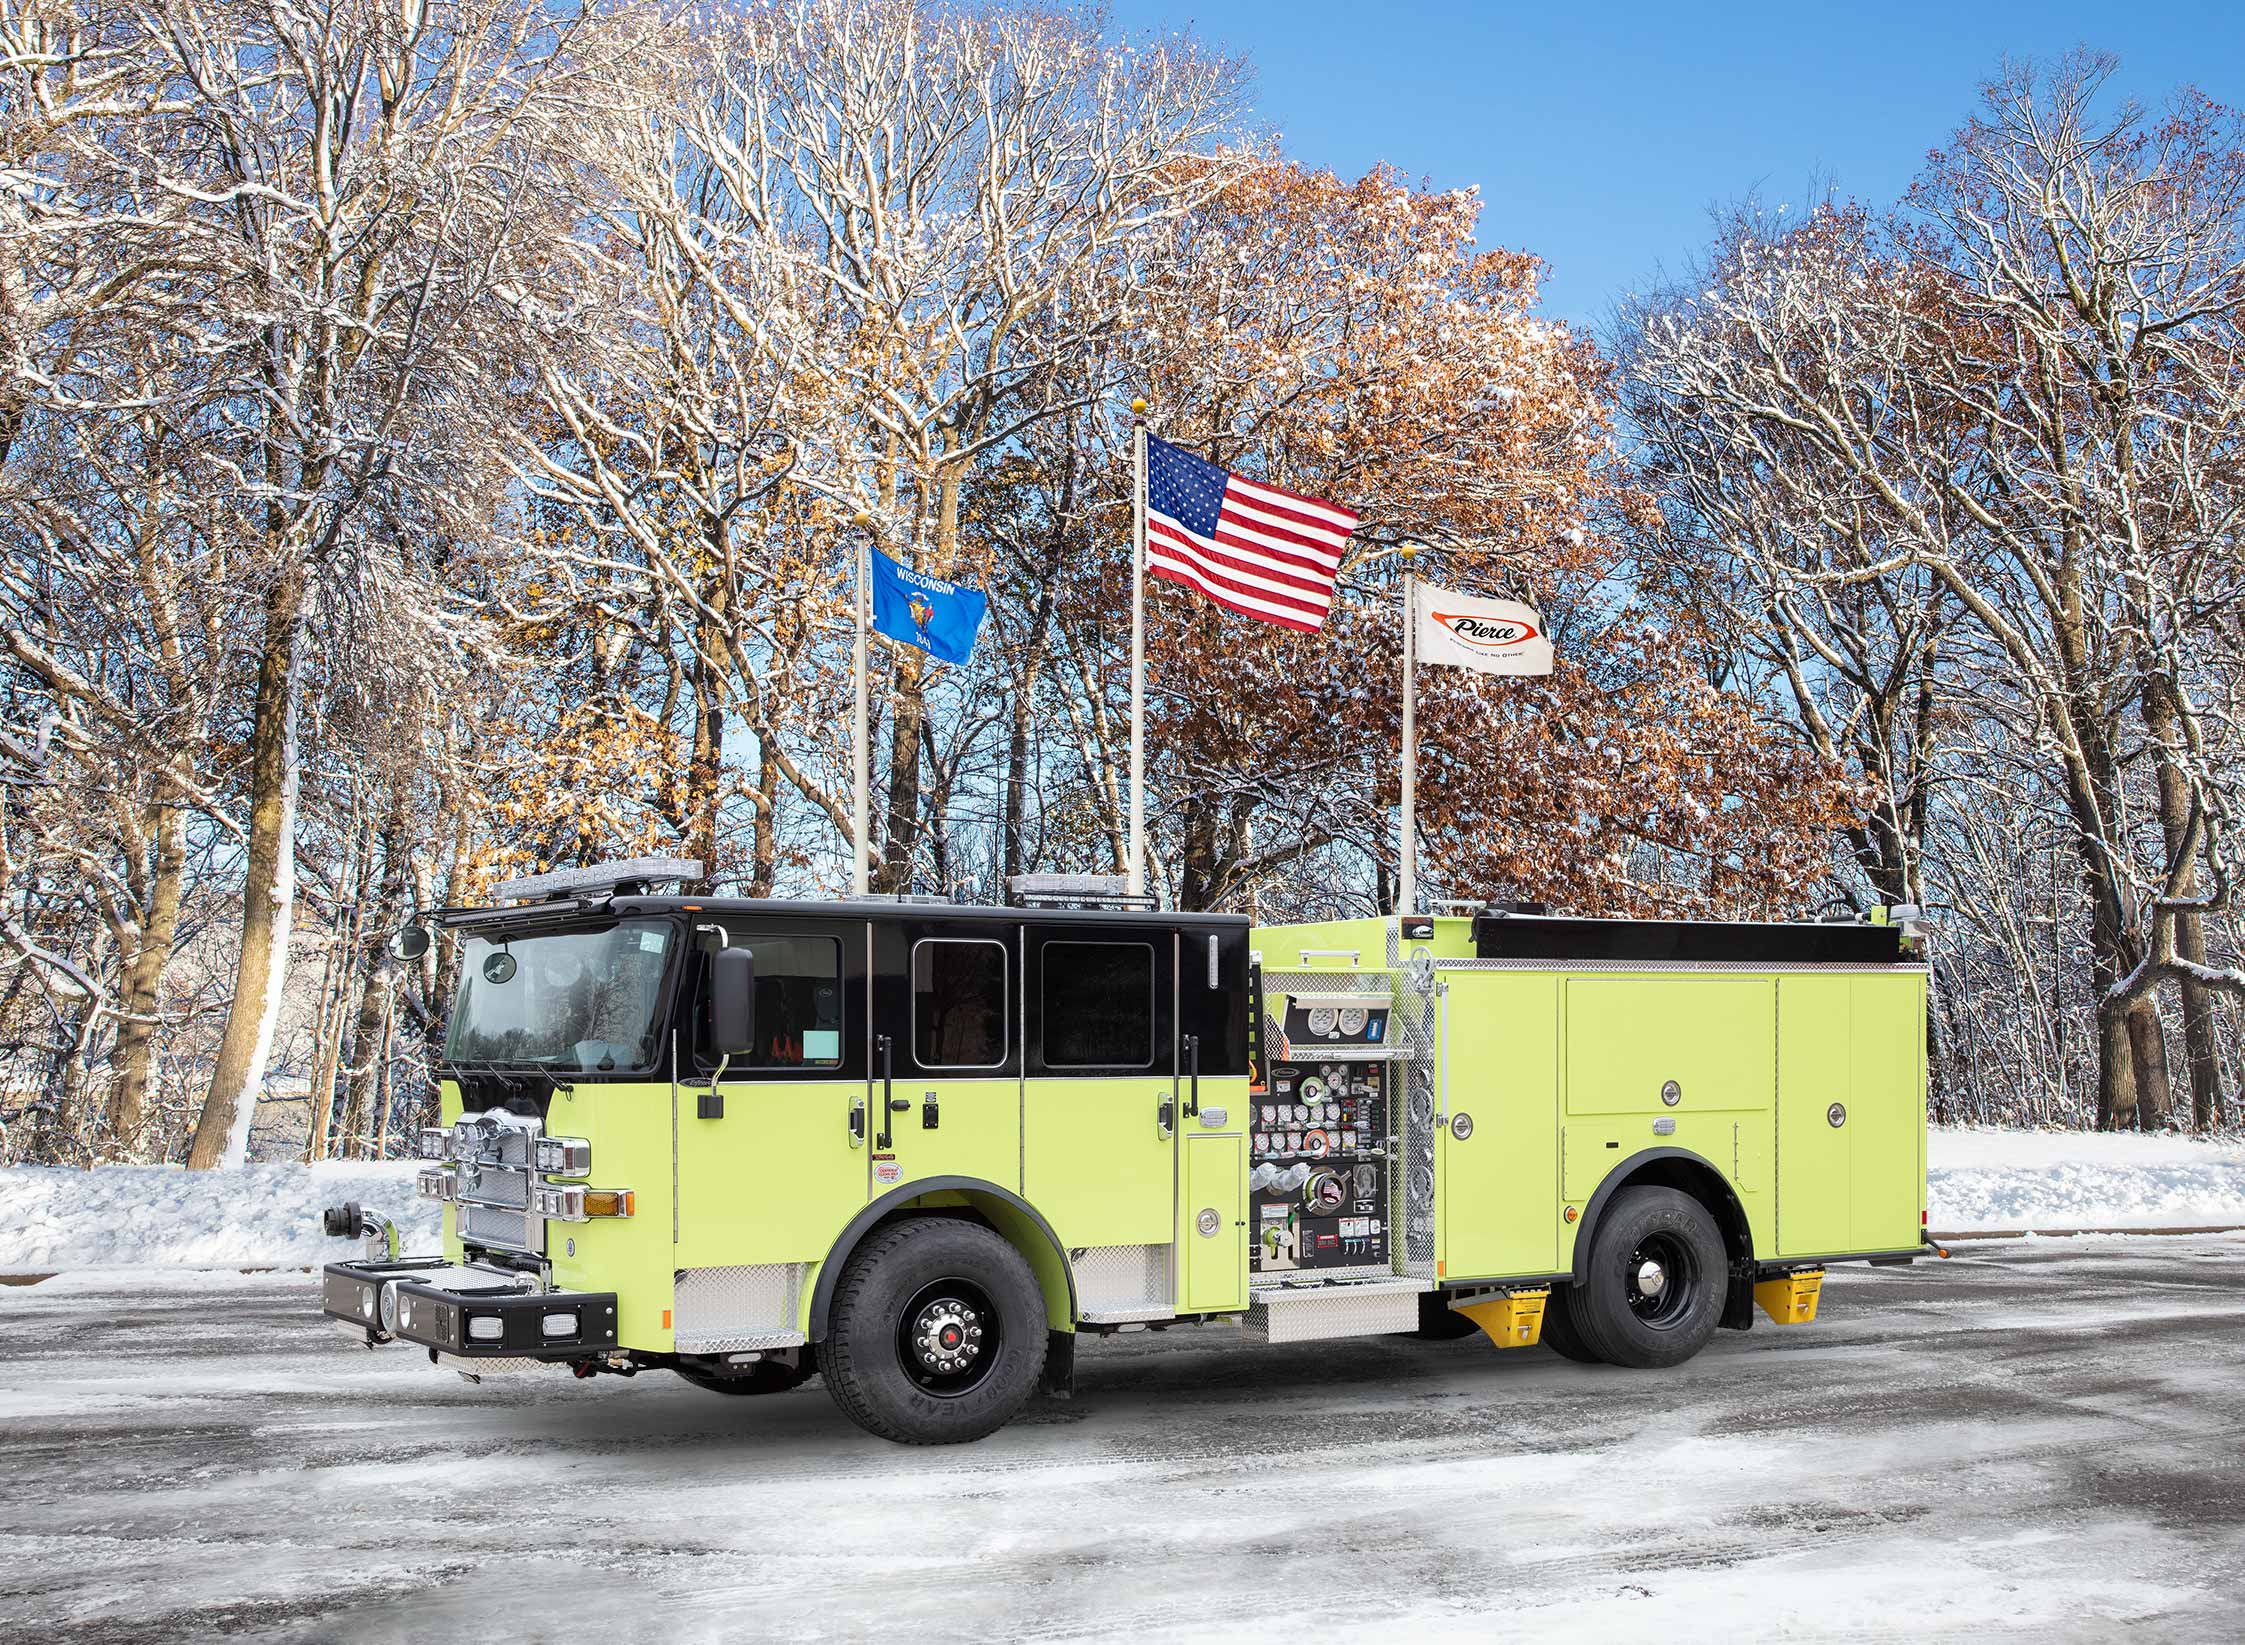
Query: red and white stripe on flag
{"points": [[1250, 547]]}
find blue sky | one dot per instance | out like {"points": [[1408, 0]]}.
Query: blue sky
{"points": [[1600, 135]]}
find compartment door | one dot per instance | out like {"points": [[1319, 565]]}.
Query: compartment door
{"points": [[1497, 1088], [1814, 1056], [1213, 1225]]}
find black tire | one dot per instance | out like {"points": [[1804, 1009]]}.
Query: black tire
{"points": [[1656, 1282], [768, 1376], [1439, 1322], [968, 1289], [1560, 1334]]}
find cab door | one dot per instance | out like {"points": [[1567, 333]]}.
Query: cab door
{"points": [[947, 1051], [771, 1158], [1101, 1107]]}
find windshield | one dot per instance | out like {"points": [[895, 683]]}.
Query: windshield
{"points": [[572, 999]]}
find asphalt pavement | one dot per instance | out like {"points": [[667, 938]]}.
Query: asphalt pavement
{"points": [[2037, 1440]]}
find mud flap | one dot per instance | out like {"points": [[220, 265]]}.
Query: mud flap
{"points": [[1058, 1380], [1738, 1302]]}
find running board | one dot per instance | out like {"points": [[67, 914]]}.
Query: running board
{"points": [[1342, 1308]]}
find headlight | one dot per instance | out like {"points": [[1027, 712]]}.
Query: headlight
{"points": [[436, 1182], [564, 1156], [432, 1142]]}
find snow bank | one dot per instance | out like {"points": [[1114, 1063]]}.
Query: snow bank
{"points": [[1986, 1179], [257, 1216]]}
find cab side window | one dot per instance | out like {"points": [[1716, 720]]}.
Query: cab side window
{"points": [[1097, 1004], [959, 999], [798, 1000]]}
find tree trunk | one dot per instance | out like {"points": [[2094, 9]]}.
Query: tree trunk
{"points": [[2147, 1045], [366, 1048], [135, 1054], [2201, 1043], [268, 888], [764, 842]]}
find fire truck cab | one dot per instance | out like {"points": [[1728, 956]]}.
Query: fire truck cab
{"points": [[920, 1148]]}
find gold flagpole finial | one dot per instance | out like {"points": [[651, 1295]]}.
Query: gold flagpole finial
{"points": [[1409, 551], [1138, 408]]}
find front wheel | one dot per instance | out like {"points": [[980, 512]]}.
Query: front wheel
{"points": [[1657, 1280], [937, 1333]]}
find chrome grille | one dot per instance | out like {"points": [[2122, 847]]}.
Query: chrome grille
{"points": [[494, 1169]]}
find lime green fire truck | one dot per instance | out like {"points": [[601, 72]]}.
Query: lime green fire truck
{"points": [[920, 1148]]}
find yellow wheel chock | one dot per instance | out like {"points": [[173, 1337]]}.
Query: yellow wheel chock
{"points": [[1512, 1320], [1790, 1299]]}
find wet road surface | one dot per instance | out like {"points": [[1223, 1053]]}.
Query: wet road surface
{"points": [[2039, 1440]]}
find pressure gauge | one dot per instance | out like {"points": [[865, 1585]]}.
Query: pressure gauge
{"points": [[1316, 1144], [1321, 1020], [1351, 1019]]}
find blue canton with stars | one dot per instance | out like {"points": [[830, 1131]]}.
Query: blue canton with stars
{"points": [[1189, 489]]}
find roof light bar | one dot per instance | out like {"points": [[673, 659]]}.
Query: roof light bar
{"points": [[605, 876]]}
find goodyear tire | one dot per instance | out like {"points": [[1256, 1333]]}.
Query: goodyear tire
{"points": [[937, 1333], [1657, 1280], [764, 1377], [1559, 1332], [1439, 1322]]}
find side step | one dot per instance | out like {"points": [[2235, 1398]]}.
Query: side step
{"points": [[1334, 1308]]}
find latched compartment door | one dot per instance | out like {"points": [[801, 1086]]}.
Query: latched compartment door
{"points": [[1213, 1214], [1498, 1083], [1814, 1060], [1886, 1115]]}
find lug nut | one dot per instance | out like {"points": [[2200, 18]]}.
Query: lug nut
{"points": [[973, 1348]]}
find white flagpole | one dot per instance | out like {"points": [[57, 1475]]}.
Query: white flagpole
{"points": [[861, 849], [1134, 873], [1407, 888]]}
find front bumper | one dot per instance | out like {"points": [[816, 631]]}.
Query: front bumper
{"points": [[443, 1306]]}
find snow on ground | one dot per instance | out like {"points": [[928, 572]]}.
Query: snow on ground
{"points": [[120, 1216], [1989, 1179], [265, 1216]]}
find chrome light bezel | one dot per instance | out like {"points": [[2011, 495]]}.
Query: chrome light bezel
{"points": [[563, 1156]]}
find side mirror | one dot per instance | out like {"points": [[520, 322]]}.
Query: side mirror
{"points": [[410, 942], [732, 1002]]}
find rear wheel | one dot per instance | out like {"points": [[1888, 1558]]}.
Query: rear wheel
{"points": [[937, 1333], [1657, 1280], [1559, 1333]]}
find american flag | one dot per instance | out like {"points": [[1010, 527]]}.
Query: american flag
{"points": [[1251, 548]]}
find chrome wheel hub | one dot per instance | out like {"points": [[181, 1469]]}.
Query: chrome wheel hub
{"points": [[1652, 1278], [947, 1335]]}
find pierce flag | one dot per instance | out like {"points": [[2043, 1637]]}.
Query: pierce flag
{"points": [[939, 617], [1493, 636]]}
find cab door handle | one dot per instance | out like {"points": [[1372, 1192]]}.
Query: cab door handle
{"points": [[1165, 1117], [857, 1122]]}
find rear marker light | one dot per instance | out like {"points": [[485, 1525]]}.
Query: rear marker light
{"points": [[486, 1328]]}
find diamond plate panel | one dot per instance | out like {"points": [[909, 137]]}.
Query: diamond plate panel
{"points": [[738, 1309], [475, 1368], [1124, 1282], [1311, 1313]]}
